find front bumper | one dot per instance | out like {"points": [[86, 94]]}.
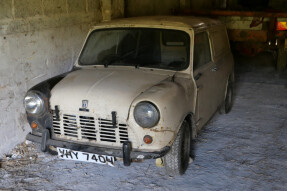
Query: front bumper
{"points": [[134, 154]]}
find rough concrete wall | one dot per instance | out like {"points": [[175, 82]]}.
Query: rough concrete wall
{"points": [[151, 7], [38, 39], [118, 8], [112, 9], [203, 4], [279, 5]]}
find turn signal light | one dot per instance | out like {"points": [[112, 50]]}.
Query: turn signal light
{"points": [[147, 139], [34, 125]]}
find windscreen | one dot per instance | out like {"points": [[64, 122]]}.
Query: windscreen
{"points": [[139, 47]]}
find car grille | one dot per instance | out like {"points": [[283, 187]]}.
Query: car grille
{"points": [[91, 129]]}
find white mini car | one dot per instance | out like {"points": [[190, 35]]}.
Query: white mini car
{"points": [[141, 88]]}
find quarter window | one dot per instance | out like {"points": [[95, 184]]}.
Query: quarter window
{"points": [[219, 40], [201, 54]]}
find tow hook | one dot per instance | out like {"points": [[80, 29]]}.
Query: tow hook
{"points": [[127, 147], [45, 138]]}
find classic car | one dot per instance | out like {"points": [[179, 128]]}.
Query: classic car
{"points": [[141, 88]]}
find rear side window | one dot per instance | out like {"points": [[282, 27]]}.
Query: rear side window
{"points": [[201, 54], [220, 41]]}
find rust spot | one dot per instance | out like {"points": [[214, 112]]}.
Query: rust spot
{"points": [[239, 35], [2, 87]]}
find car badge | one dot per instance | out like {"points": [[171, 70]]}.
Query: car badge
{"points": [[84, 106]]}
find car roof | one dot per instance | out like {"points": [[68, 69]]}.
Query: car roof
{"points": [[168, 21]]}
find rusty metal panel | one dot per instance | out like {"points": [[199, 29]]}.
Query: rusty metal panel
{"points": [[281, 26], [238, 35], [249, 48]]}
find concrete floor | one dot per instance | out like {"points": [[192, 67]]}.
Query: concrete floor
{"points": [[244, 150]]}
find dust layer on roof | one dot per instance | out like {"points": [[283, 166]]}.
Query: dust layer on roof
{"points": [[175, 21]]}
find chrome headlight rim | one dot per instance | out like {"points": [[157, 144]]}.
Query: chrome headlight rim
{"points": [[38, 97], [155, 109]]}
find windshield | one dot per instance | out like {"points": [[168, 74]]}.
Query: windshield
{"points": [[139, 47]]}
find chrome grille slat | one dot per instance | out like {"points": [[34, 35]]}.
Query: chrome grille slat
{"points": [[107, 130], [88, 128], [71, 127], [70, 134], [87, 124], [69, 123], [56, 126], [87, 131]]}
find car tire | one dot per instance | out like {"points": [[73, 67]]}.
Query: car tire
{"points": [[228, 101], [176, 161]]}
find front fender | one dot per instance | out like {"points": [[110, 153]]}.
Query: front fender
{"points": [[44, 120], [173, 103]]}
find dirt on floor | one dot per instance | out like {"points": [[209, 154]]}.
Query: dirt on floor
{"points": [[243, 150]]}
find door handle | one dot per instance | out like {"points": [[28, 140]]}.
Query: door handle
{"points": [[214, 69], [198, 76]]}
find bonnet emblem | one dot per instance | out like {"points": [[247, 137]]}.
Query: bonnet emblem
{"points": [[84, 105]]}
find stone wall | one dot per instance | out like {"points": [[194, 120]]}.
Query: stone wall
{"points": [[154, 7], [40, 39]]}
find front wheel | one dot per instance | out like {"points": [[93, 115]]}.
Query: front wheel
{"points": [[177, 159]]}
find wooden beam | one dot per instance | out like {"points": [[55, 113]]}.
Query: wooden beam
{"points": [[233, 13]]}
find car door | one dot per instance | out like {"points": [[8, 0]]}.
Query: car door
{"points": [[221, 58], [204, 71]]}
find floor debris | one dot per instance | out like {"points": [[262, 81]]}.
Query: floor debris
{"points": [[243, 150]]}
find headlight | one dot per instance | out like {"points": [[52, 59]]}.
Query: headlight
{"points": [[33, 103], [146, 114]]}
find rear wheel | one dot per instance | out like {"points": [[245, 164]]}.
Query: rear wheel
{"points": [[281, 57], [228, 101], [177, 159]]}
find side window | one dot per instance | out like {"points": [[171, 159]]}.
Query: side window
{"points": [[220, 40], [201, 54]]}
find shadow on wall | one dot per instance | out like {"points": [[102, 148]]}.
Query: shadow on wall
{"points": [[262, 61], [150, 7]]}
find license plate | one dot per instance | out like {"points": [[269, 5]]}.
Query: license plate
{"points": [[69, 154]]}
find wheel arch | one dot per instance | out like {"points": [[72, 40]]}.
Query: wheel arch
{"points": [[191, 122], [230, 80]]}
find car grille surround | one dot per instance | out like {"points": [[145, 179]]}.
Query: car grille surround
{"points": [[91, 129]]}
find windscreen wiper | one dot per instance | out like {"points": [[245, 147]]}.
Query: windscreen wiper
{"points": [[137, 65], [108, 62]]}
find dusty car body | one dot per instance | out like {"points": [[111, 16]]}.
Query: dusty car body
{"points": [[120, 101]]}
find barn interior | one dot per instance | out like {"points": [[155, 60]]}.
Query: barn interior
{"points": [[244, 150]]}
